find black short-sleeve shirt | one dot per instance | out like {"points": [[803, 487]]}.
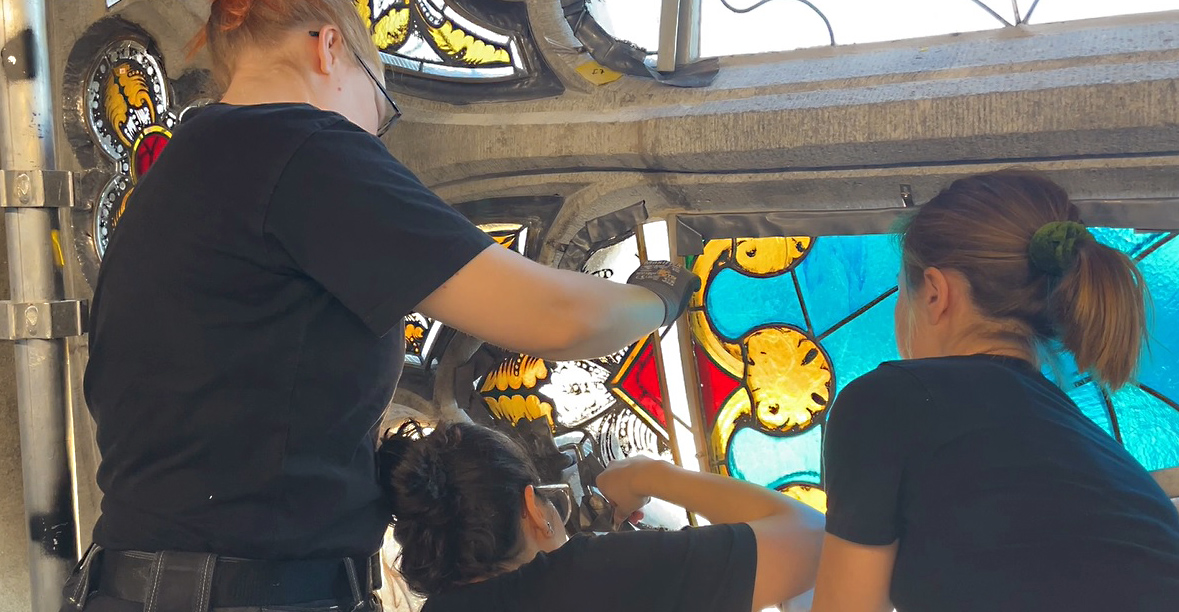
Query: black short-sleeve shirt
{"points": [[707, 569], [1003, 495], [246, 334]]}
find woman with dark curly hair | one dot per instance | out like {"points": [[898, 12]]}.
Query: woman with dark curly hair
{"points": [[479, 531]]}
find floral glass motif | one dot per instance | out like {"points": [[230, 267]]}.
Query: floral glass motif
{"points": [[781, 324], [436, 39], [421, 331], [127, 104], [617, 399]]}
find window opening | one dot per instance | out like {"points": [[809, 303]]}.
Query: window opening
{"points": [[783, 323], [734, 27]]}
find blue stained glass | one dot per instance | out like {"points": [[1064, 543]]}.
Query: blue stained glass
{"points": [[737, 303], [1160, 368], [773, 461], [1149, 426], [863, 343], [842, 274], [1089, 399], [1130, 241]]}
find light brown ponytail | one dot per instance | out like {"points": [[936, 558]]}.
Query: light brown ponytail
{"points": [[1099, 307]]}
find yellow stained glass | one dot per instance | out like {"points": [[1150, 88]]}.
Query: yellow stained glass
{"points": [[127, 101], [453, 41], [389, 31], [519, 372], [514, 408], [788, 377], [808, 494]]}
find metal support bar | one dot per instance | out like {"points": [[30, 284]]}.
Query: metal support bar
{"points": [[688, 359], [657, 351], [687, 46], [669, 26], [679, 34], [43, 321], [36, 189], [27, 134]]}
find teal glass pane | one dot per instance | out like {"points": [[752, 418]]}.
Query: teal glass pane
{"points": [[1160, 368], [863, 343], [1092, 404], [774, 461], [1129, 241], [737, 303], [1150, 428], [842, 274]]}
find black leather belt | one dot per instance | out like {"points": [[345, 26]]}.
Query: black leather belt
{"points": [[228, 582]]}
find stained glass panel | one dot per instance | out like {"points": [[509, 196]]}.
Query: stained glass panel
{"points": [[129, 116], [782, 324], [617, 399], [775, 326], [437, 39]]}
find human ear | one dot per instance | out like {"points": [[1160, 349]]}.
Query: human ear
{"points": [[535, 513], [330, 46], [934, 297]]}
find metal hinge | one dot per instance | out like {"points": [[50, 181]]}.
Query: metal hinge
{"points": [[36, 189], [42, 320]]}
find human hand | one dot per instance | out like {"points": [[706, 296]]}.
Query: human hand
{"points": [[622, 484], [673, 283]]}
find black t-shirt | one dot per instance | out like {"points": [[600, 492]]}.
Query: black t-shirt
{"points": [[708, 569], [1004, 496], [246, 334]]}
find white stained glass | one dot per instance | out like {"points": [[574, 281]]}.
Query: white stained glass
{"points": [[659, 248]]}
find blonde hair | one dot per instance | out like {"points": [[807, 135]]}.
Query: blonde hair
{"points": [[237, 25], [1093, 302]]}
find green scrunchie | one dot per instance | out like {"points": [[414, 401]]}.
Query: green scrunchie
{"points": [[1054, 246]]}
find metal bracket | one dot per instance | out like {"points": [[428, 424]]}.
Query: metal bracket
{"points": [[43, 320], [36, 189]]}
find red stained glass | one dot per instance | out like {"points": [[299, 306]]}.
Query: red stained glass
{"points": [[715, 385], [150, 147], [637, 383]]}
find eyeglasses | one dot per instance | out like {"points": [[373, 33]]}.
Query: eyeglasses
{"points": [[560, 496], [394, 113]]}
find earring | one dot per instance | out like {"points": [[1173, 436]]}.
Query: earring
{"points": [[550, 527]]}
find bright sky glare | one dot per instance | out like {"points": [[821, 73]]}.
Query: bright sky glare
{"points": [[788, 24]]}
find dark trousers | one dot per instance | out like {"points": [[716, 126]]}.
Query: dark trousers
{"points": [[179, 582]]}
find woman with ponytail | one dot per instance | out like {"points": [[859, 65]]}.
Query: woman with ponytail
{"points": [[246, 329], [961, 478], [478, 530]]}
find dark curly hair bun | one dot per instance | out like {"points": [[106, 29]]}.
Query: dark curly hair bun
{"points": [[456, 497]]}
